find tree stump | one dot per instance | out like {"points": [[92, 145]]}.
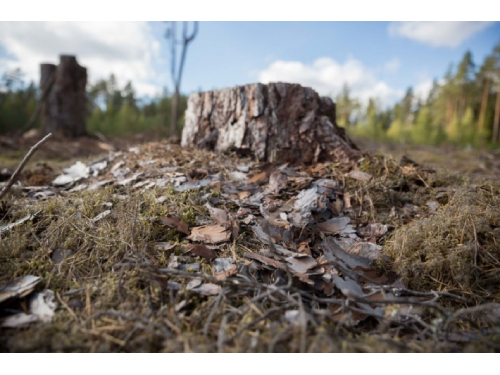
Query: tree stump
{"points": [[279, 122], [64, 109]]}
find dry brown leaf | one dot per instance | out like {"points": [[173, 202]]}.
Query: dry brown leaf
{"points": [[203, 251], [210, 234], [257, 178], [175, 223], [333, 252], [243, 194]]}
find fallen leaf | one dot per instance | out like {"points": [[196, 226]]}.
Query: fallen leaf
{"points": [[301, 264], [189, 267], [206, 289], [210, 234], [19, 287], [257, 178], [203, 251], [307, 200], [433, 205], [366, 249], [218, 215], [224, 267], [196, 184], [373, 230], [223, 264], [358, 175], [243, 194], [333, 226], [333, 252], [265, 260], [175, 223], [165, 245]]}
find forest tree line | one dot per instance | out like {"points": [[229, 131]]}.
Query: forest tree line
{"points": [[463, 108], [111, 110]]}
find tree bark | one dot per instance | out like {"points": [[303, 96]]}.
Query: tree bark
{"points": [[276, 122], [497, 116], [63, 112]]}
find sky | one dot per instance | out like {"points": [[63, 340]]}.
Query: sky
{"points": [[376, 59]]}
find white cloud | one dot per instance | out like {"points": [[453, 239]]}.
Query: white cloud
{"points": [[393, 65], [127, 49], [437, 34], [327, 77], [422, 89]]}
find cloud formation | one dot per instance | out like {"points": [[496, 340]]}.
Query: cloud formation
{"points": [[392, 65], [437, 34], [327, 77], [127, 49]]}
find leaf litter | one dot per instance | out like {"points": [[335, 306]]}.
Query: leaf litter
{"points": [[277, 248]]}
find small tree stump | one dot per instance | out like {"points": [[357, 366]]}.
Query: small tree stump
{"points": [[275, 122], [64, 109]]}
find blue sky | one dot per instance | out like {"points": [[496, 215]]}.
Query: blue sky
{"points": [[379, 59]]}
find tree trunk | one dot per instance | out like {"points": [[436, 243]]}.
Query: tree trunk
{"points": [[64, 108], [276, 122], [484, 106], [497, 116], [175, 110]]}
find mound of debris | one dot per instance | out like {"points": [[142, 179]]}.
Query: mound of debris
{"points": [[220, 253]]}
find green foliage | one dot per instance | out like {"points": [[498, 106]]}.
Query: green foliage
{"points": [[458, 110], [111, 111]]}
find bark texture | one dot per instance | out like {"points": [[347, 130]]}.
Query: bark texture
{"points": [[275, 122], [63, 111]]}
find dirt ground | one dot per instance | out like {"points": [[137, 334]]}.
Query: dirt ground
{"points": [[475, 163]]}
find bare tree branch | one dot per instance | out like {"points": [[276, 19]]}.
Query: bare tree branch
{"points": [[22, 165]]}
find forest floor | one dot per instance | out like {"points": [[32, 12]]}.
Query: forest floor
{"points": [[145, 246]]}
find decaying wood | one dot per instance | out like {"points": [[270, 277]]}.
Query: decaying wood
{"points": [[275, 122], [63, 111]]}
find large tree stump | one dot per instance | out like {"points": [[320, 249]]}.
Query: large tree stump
{"points": [[276, 122], [63, 112]]}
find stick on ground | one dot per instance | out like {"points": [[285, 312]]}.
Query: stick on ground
{"points": [[22, 165]]}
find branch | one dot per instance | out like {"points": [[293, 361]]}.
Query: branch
{"points": [[22, 165]]}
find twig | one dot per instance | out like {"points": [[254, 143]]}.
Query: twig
{"points": [[469, 310], [22, 165]]}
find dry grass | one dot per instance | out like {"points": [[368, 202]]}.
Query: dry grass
{"points": [[116, 294]]}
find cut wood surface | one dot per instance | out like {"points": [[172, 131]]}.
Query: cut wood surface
{"points": [[279, 122]]}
